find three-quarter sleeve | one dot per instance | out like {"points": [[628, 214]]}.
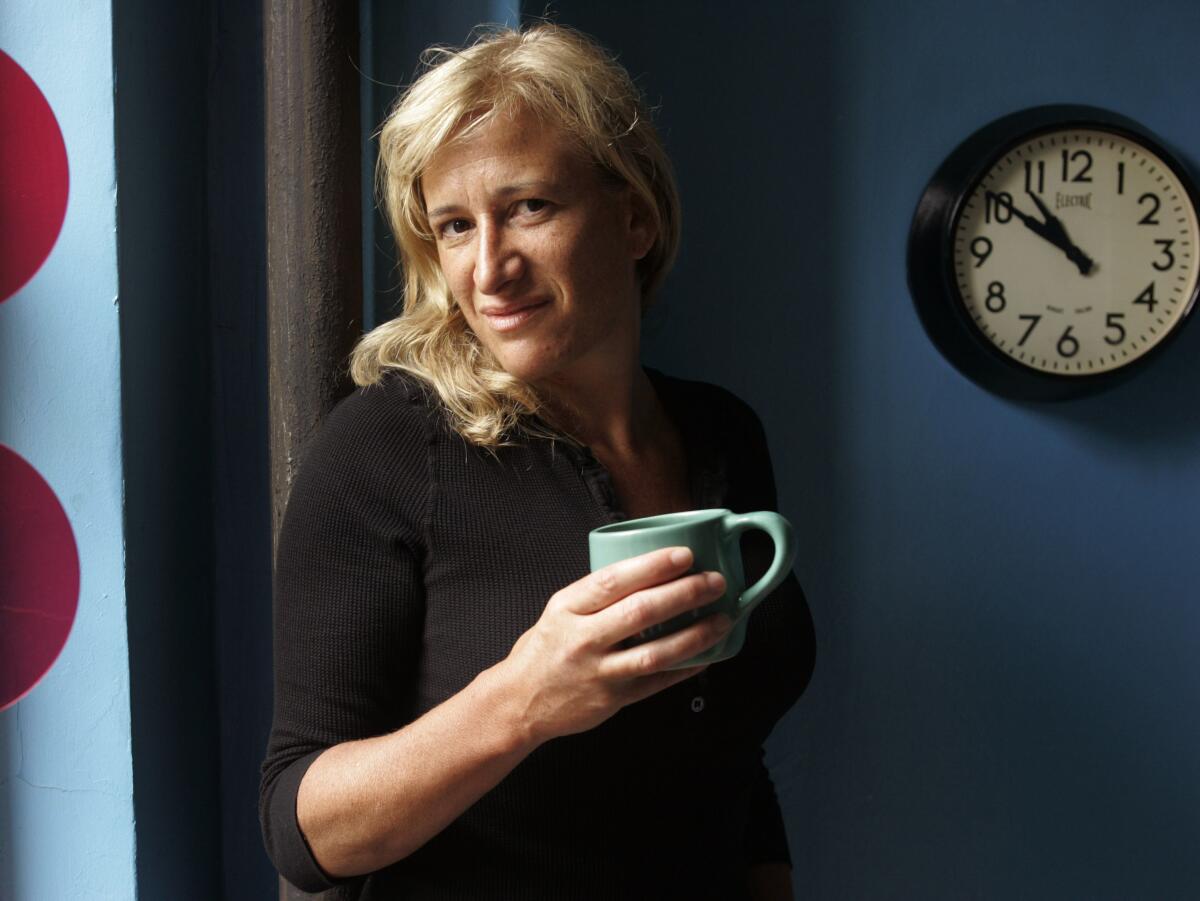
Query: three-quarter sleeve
{"points": [[348, 603]]}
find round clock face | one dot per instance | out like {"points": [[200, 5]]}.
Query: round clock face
{"points": [[1075, 253]]}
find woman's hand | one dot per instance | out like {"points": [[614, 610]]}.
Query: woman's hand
{"points": [[570, 670], [365, 804]]}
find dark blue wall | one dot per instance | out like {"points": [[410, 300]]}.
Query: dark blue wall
{"points": [[1008, 677]]}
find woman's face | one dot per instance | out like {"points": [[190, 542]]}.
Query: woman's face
{"points": [[539, 253]]}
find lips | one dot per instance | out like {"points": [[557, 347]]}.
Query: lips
{"points": [[511, 318], [511, 309]]}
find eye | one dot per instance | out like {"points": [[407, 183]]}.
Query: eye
{"points": [[533, 205], [453, 228]]}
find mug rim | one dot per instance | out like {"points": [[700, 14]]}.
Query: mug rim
{"points": [[661, 521]]}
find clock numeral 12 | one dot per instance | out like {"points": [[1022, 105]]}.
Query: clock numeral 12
{"points": [[1082, 174]]}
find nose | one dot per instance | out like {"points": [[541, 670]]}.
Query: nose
{"points": [[497, 262]]}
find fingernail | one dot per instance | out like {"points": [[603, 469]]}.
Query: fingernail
{"points": [[680, 556], [715, 579]]}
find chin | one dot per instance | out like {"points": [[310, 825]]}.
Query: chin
{"points": [[528, 372], [530, 358], [533, 367]]}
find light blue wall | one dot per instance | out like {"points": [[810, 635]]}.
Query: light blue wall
{"points": [[1008, 674], [66, 809]]}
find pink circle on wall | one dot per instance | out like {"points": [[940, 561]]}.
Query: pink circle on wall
{"points": [[33, 177], [39, 577]]}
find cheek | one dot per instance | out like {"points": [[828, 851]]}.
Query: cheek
{"points": [[604, 270], [595, 251], [457, 276]]}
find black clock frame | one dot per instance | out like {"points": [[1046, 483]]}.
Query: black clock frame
{"points": [[931, 280]]}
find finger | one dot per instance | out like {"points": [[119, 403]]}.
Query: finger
{"points": [[640, 689], [609, 584], [651, 606], [670, 650]]}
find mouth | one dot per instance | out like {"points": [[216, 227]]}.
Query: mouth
{"points": [[507, 320]]}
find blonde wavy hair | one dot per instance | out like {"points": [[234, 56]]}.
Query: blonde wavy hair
{"points": [[565, 79]]}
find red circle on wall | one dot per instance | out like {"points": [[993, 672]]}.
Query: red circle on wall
{"points": [[39, 577], [33, 177]]}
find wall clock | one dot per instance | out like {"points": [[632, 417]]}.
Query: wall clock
{"points": [[1054, 252]]}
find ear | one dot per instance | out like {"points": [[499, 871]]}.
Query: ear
{"points": [[639, 224]]}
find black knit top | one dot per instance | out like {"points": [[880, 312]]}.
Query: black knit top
{"points": [[409, 561]]}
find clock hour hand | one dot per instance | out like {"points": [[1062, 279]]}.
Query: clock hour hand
{"points": [[1056, 234], [1047, 232], [1034, 225]]}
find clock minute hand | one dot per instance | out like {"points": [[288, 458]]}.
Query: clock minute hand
{"points": [[1046, 231], [1054, 232]]}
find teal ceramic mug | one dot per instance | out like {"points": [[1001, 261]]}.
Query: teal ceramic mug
{"points": [[713, 536]]}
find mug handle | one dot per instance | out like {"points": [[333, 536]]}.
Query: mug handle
{"points": [[782, 534]]}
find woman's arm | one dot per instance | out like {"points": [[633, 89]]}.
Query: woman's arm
{"points": [[365, 804]]}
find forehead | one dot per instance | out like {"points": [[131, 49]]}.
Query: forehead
{"points": [[505, 148]]}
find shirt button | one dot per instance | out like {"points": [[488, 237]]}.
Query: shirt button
{"points": [[697, 703]]}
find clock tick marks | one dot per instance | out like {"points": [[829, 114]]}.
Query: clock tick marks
{"points": [[992, 253]]}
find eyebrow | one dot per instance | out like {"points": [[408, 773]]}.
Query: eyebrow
{"points": [[521, 187]]}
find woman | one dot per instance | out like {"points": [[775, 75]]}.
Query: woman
{"points": [[458, 714]]}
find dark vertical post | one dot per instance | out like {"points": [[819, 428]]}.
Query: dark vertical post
{"points": [[314, 221]]}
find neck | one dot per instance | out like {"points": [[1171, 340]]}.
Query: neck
{"points": [[619, 415]]}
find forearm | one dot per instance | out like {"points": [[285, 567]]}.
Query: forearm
{"points": [[365, 804]]}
